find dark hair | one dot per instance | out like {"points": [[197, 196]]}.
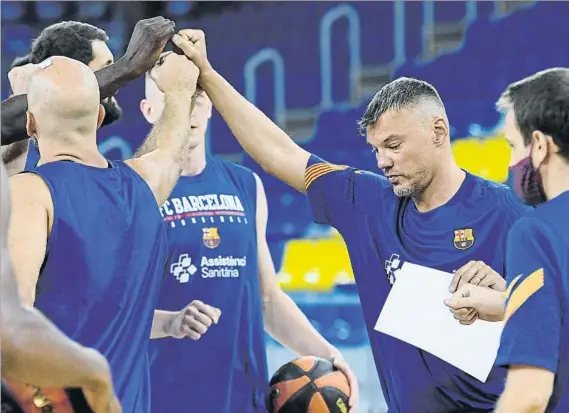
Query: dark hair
{"points": [[541, 102], [21, 61], [396, 95], [70, 39]]}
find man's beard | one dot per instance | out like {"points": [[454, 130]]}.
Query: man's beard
{"points": [[113, 111]]}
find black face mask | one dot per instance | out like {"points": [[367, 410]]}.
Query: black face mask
{"points": [[528, 184], [113, 111]]}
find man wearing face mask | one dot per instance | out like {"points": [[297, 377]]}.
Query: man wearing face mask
{"points": [[535, 340]]}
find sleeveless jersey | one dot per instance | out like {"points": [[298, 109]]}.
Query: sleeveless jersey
{"points": [[33, 155], [104, 264], [211, 226]]}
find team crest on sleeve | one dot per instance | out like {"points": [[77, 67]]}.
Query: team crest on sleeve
{"points": [[463, 238], [211, 238]]}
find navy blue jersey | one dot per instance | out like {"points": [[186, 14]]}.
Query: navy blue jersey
{"points": [[33, 155], [104, 264], [536, 331], [211, 223], [382, 231]]}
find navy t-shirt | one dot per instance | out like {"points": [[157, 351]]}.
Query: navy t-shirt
{"points": [[382, 231], [536, 331]]}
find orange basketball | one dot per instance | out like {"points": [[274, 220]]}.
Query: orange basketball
{"points": [[34, 400], [309, 385]]}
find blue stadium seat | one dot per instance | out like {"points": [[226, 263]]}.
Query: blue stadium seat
{"points": [[50, 10], [377, 25], [339, 126], [449, 11], [413, 29], [485, 9], [178, 8], [89, 10], [16, 39], [12, 10], [117, 36]]}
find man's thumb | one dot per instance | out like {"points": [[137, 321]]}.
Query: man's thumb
{"points": [[458, 301], [187, 47]]}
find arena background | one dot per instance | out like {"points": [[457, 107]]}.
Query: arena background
{"points": [[312, 67]]}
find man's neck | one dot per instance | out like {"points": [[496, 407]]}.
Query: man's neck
{"points": [[444, 185], [196, 161], [558, 182], [75, 150]]}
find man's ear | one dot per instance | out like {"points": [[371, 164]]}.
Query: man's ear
{"points": [[30, 124], [101, 116]]}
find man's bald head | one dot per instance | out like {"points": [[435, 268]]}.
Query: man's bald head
{"points": [[63, 100]]}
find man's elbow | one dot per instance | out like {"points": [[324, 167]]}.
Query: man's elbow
{"points": [[535, 402], [530, 400]]}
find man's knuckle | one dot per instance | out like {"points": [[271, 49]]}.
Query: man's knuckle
{"points": [[192, 311]]}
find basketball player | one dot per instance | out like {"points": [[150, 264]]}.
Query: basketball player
{"points": [[535, 340], [90, 226], [216, 219], [425, 210], [34, 350], [87, 44]]}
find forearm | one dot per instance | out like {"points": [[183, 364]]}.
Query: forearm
{"points": [[114, 77], [110, 79], [494, 308], [516, 403], [270, 146], [161, 323], [528, 390], [34, 351], [151, 142], [293, 331], [14, 119]]}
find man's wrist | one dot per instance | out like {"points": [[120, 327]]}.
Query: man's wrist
{"points": [[99, 375], [168, 325], [333, 353], [206, 77], [125, 69], [178, 98]]}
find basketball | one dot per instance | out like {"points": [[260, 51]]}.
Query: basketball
{"points": [[308, 385]]}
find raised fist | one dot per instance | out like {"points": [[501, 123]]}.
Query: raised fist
{"points": [[194, 320], [175, 73], [192, 43], [147, 42], [19, 78]]}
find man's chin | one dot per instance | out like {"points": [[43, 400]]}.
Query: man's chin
{"points": [[403, 191]]}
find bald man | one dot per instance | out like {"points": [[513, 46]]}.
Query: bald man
{"points": [[86, 237]]}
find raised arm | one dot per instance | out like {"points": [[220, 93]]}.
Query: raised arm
{"points": [[176, 77], [33, 349], [151, 142], [146, 44], [269, 145]]}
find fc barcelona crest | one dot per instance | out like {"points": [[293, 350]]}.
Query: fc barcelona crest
{"points": [[463, 238], [211, 237]]}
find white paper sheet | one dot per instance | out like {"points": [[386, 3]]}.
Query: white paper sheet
{"points": [[415, 312]]}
